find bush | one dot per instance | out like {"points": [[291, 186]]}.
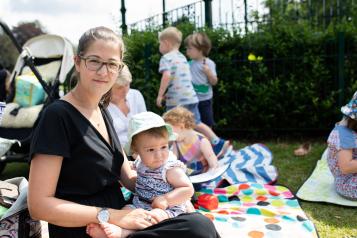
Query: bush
{"points": [[292, 84]]}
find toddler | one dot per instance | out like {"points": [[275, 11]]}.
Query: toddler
{"points": [[161, 185], [203, 71], [342, 151], [176, 85], [190, 147]]}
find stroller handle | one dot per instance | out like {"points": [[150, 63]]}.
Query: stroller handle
{"points": [[8, 32], [28, 60]]}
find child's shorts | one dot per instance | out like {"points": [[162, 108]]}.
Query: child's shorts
{"points": [[192, 108]]}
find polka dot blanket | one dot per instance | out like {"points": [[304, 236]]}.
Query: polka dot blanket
{"points": [[254, 210]]}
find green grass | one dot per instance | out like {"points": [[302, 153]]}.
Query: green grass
{"points": [[331, 221]]}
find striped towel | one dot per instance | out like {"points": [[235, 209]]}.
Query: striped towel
{"points": [[249, 164]]}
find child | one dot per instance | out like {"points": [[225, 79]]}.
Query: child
{"points": [[161, 185], [190, 147], [177, 80], [342, 151], [203, 71]]}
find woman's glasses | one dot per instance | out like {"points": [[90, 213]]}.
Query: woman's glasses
{"points": [[95, 64]]}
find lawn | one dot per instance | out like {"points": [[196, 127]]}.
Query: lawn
{"points": [[331, 221]]}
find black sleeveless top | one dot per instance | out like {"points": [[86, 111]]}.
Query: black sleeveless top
{"points": [[91, 167]]}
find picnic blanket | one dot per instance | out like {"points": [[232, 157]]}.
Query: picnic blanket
{"points": [[319, 187], [255, 211], [249, 164]]}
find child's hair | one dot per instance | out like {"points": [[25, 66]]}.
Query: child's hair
{"points": [[124, 76], [171, 34], [180, 115], [156, 132], [199, 41], [100, 33]]}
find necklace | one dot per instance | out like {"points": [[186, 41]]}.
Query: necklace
{"points": [[97, 122]]}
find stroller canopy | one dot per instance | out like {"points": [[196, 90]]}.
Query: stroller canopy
{"points": [[48, 46]]}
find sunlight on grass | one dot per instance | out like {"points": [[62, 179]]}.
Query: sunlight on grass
{"points": [[331, 221]]}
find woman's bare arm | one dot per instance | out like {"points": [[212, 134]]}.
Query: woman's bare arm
{"points": [[43, 204]]}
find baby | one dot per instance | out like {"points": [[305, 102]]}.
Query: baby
{"points": [[161, 185]]}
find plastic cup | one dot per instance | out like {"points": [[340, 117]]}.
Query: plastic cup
{"points": [[2, 110]]}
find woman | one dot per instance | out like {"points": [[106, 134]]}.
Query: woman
{"points": [[77, 161], [124, 104]]}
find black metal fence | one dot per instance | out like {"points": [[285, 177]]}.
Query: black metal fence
{"points": [[245, 15]]}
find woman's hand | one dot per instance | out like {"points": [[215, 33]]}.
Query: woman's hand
{"points": [[159, 214], [136, 219]]}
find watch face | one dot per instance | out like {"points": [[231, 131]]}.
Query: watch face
{"points": [[103, 215]]}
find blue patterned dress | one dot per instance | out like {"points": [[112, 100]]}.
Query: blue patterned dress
{"points": [[151, 183], [341, 138]]}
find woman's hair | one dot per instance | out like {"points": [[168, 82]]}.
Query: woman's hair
{"points": [[124, 77], [351, 123], [180, 115], [100, 33], [171, 34], [156, 132], [200, 41]]}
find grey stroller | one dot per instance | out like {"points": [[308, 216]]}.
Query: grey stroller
{"points": [[48, 60]]}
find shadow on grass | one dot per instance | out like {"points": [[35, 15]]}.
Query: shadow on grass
{"points": [[330, 220]]}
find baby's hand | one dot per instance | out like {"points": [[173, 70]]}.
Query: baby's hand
{"points": [[160, 202]]}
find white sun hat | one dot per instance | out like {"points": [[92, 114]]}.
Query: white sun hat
{"points": [[144, 121]]}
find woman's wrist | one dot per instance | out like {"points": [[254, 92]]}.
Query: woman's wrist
{"points": [[116, 215]]}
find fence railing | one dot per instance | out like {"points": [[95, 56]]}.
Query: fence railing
{"points": [[193, 12], [245, 15]]}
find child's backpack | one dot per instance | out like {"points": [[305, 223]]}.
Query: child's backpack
{"points": [[15, 221]]}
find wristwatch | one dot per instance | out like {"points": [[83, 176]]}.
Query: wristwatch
{"points": [[103, 215]]}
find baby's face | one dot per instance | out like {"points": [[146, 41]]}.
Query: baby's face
{"points": [[153, 151]]}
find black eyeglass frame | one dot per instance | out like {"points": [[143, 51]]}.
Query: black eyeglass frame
{"points": [[106, 63]]}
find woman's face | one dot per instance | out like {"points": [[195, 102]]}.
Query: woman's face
{"points": [[96, 79], [119, 92]]}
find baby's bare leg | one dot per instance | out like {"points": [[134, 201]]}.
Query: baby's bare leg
{"points": [[107, 230], [95, 231]]}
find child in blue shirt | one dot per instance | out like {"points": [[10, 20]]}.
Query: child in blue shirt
{"points": [[176, 84], [342, 151], [203, 71]]}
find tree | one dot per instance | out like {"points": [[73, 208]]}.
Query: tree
{"points": [[22, 32], [26, 30], [8, 52]]}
